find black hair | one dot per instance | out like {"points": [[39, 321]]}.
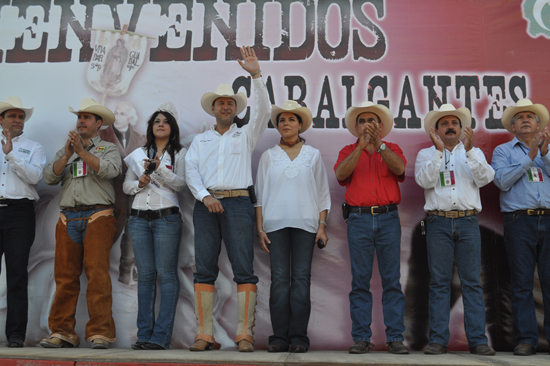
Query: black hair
{"points": [[174, 144], [459, 121], [303, 140], [3, 114], [377, 116]]}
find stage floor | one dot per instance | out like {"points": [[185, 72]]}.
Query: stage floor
{"points": [[37, 356]]}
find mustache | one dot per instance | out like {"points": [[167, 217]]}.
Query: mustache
{"points": [[449, 131]]}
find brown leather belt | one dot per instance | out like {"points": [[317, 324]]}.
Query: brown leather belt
{"points": [[453, 214], [86, 208], [219, 194], [538, 211]]}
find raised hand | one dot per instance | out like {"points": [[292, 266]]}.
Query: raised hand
{"points": [[436, 140], [7, 146], [250, 63], [545, 135], [469, 142]]}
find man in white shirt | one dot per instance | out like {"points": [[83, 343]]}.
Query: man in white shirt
{"points": [[451, 173], [218, 171], [20, 172]]}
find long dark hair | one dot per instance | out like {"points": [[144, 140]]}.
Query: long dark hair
{"points": [[303, 140], [173, 145]]}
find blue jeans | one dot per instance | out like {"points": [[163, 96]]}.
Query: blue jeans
{"points": [[448, 240], [156, 246], [367, 233], [77, 228], [527, 240], [291, 251], [236, 227]]}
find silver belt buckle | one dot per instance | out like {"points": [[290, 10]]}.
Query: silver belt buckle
{"points": [[216, 196]]}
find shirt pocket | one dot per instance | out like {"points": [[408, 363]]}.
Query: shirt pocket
{"points": [[236, 144]]}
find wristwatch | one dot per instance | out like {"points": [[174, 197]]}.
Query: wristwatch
{"points": [[381, 148]]}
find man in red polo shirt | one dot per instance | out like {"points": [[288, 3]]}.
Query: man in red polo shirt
{"points": [[371, 170]]}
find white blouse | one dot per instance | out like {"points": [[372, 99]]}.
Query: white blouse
{"points": [[172, 175], [292, 193]]}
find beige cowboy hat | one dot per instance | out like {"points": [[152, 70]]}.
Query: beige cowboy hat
{"points": [[293, 107], [463, 114], [380, 110], [525, 105], [223, 90], [89, 105], [13, 102]]}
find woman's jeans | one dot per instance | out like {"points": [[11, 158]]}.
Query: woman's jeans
{"points": [[291, 251], [156, 246]]}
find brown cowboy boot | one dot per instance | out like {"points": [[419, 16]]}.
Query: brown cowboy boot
{"points": [[246, 296], [204, 302]]}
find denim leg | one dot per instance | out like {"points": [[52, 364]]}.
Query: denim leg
{"points": [[543, 264], [142, 240], [167, 236], [303, 243], [208, 238], [439, 239], [279, 294], [17, 229], [361, 252], [468, 262], [388, 250], [237, 227], [521, 234]]}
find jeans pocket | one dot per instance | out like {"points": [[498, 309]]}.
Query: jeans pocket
{"points": [[473, 219], [352, 215], [131, 219], [172, 219], [510, 218], [430, 218]]}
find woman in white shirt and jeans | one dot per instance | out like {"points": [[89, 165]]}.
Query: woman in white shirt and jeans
{"points": [[291, 213], [155, 173]]}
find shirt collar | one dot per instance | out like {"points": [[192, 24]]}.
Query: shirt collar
{"points": [[232, 127], [457, 146]]}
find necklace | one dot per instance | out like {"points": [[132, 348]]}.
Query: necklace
{"points": [[290, 144]]}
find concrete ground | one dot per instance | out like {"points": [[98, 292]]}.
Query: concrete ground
{"points": [[36, 356]]}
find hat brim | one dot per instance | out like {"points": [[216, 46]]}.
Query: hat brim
{"points": [[7, 106], [303, 112], [463, 114], [538, 109], [105, 113], [386, 118], [209, 98]]}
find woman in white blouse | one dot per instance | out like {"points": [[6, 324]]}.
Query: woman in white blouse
{"points": [[291, 213], [155, 173]]}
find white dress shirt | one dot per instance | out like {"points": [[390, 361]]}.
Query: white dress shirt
{"points": [[292, 193], [471, 172], [21, 169], [222, 162], [172, 177]]}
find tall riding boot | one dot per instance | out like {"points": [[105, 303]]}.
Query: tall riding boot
{"points": [[204, 302], [246, 296]]}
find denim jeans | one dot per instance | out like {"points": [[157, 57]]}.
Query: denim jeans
{"points": [[17, 226], [448, 240], [527, 240], [236, 227], [77, 228], [156, 246], [367, 233], [291, 251]]}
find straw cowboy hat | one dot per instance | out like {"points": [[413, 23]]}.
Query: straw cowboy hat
{"points": [[525, 105], [380, 110], [223, 90], [13, 102], [89, 105], [463, 114], [293, 107]]}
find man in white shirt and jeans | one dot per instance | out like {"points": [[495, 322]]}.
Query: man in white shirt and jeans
{"points": [[20, 172], [218, 172], [451, 173]]}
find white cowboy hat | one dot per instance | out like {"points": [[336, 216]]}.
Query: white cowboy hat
{"points": [[89, 105], [463, 115], [293, 107], [223, 90], [13, 102], [380, 110], [525, 105]]}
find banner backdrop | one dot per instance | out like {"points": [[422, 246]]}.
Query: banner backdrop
{"points": [[411, 56]]}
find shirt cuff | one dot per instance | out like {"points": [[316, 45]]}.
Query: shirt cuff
{"points": [[526, 162], [202, 194], [472, 155], [437, 157]]}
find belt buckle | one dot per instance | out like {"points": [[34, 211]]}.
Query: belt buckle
{"points": [[452, 214], [372, 210], [531, 212], [3, 205], [216, 196]]}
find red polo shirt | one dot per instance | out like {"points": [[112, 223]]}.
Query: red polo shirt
{"points": [[372, 183]]}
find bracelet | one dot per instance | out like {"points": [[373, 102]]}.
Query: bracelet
{"points": [[255, 72], [259, 232], [323, 222]]}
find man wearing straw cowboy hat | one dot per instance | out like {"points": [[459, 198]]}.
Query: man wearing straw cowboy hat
{"points": [[86, 228], [20, 172], [451, 173], [522, 172], [218, 172], [371, 170]]}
